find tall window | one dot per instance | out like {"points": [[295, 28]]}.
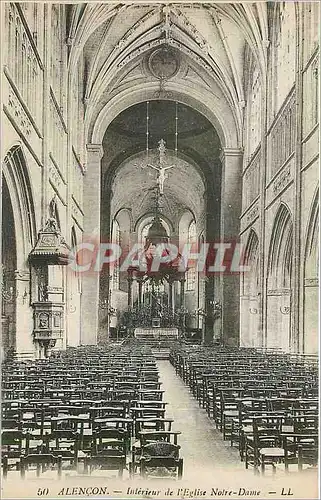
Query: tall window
{"points": [[21, 58], [311, 22], [116, 241], [254, 126], [78, 110], [145, 233], [284, 52], [311, 96], [57, 51], [31, 14], [191, 272]]}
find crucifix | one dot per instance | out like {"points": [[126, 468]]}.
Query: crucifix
{"points": [[162, 168]]}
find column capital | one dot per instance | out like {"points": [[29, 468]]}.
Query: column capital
{"points": [[230, 152], [22, 275], [95, 149]]}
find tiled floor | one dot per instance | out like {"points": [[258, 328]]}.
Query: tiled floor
{"points": [[202, 446]]}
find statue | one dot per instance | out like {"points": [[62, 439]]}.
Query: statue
{"points": [[162, 175], [51, 225], [53, 208]]}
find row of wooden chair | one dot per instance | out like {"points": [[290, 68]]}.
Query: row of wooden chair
{"points": [[266, 403], [85, 410]]}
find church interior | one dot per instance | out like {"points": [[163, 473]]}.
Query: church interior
{"points": [[159, 239]]}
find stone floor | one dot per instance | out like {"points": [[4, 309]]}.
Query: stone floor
{"points": [[202, 446]]}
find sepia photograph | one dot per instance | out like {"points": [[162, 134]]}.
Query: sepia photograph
{"points": [[160, 249]]}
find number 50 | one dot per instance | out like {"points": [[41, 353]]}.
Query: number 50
{"points": [[42, 492]]}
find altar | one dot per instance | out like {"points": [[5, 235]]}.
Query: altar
{"points": [[156, 333]]}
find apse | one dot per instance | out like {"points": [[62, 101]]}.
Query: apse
{"points": [[161, 161]]}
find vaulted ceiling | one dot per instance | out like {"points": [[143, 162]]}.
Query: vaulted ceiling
{"points": [[128, 183], [211, 39], [187, 192], [195, 54]]}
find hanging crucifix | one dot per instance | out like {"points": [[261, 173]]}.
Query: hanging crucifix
{"points": [[162, 168]]}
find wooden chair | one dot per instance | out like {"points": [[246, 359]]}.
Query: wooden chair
{"points": [[155, 424], [13, 442], [8, 465], [105, 462], [64, 443], [41, 462], [307, 455], [10, 423], [266, 435], [293, 441], [107, 412], [229, 409], [147, 437], [117, 439], [161, 468]]}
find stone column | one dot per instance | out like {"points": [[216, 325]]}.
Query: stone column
{"points": [[91, 203], [231, 206], [298, 306], [182, 293], [182, 303], [130, 280], [24, 324], [207, 333], [140, 290], [170, 296]]}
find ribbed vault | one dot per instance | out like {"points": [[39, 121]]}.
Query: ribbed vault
{"points": [[210, 38]]}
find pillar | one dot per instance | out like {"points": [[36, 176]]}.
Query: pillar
{"points": [[231, 206], [130, 280], [24, 341], [208, 323], [182, 293], [91, 203], [182, 304], [170, 297], [140, 292]]}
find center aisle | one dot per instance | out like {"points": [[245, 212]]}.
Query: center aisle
{"points": [[202, 446]]}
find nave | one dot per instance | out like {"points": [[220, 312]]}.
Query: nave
{"points": [[201, 443], [116, 411]]}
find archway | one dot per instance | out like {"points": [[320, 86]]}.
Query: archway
{"points": [[9, 266], [249, 294], [279, 312], [223, 180], [131, 211], [18, 238]]}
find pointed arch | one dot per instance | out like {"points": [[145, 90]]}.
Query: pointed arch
{"points": [[249, 307], [16, 176], [191, 271], [279, 281], [251, 247], [250, 278], [18, 238], [281, 249], [116, 239]]}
